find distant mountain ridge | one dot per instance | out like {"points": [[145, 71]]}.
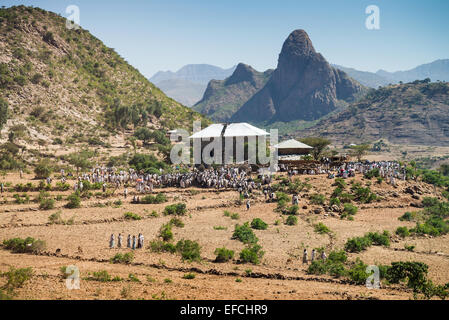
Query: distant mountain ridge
{"points": [[187, 85], [436, 71]]}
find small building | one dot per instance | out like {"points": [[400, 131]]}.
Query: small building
{"points": [[292, 147]]}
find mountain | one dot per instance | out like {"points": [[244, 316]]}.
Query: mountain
{"points": [[413, 113], [368, 79], [437, 70], [66, 84], [303, 87], [187, 85], [184, 91], [224, 97]]}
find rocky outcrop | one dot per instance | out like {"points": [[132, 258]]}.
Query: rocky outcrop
{"points": [[303, 87]]}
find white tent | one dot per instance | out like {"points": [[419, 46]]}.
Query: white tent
{"points": [[231, 130], [292, 144]]}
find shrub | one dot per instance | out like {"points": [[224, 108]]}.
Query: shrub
{"points": [[132, 216], [350, 209], [28, 245], [17, 277], [357, 273], [318, 199], [74, 201], [43, 170], [409, 247], [321, 228], [162, 246], [177, 222], [189, 276], [291, 221], [334, 202], [292, 210], [126, 258], [281, 196], [165, 232], [408, 216], [46, 204], [150, 199], [378, 239], [357, 244], [258, 224], [101, 276], [252, 254], [175, 209], [235, 216], [189, 250], [223, 254], [363, 195], [402, 232], [244, 233]]}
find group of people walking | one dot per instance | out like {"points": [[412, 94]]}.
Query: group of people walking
{"points": [[132, 242], [305, 258]]}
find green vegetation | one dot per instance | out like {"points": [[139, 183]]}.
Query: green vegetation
{"points": [[125, 258], [259, 224], [321, 228], [223, 254], [252, 254], [175, 209], [150, 199], [74, 201], [291, 221], [27, 245], [189, 276], [358, 244], [245, 234], [189, 250], [132, 216]]}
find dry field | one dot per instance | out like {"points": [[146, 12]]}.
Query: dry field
{"points": [[281, 275]]}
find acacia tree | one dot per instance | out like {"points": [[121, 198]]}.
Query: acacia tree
{"points": [[318, 144], [360, 151]]}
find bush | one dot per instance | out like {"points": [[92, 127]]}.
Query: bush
{"points": [[74, 201], [363, 195], [244, 233], [223, 254], [189, 276], [46, 204], [357, 273], [17, 277], [408, 216], [132, 216], [150, 199], [321, 228], [357, 244], [318, 199], [291, 221], [252, 254], [189, 250], [176, 222], [162, 246], [293, 210], [350, 209], [402, 232], [258, 224], [126, 258], [165, 232], [28, 245], [43, 170], [101, 276], [378, 239], [176, 209]]}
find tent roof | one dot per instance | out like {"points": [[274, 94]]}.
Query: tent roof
{"points": [[232, 130], [292, 144]]}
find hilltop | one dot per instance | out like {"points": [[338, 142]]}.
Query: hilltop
{"points": [[411, 113], [65, 86], [223, 98]]}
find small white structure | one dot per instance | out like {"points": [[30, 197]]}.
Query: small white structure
{"points": [[217, 130]]}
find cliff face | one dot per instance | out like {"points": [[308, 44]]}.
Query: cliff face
{"points": [[304, 86], [224, 97]]}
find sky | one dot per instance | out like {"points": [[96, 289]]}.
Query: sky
{"points": [[154, 35]]}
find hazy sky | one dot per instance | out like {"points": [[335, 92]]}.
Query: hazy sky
{"points": [[156, 35]]}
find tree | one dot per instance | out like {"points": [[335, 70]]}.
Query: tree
{"points": [[43, 169], [360, 151], [143, 134], [444, 169], [318, 144], [3, 112]]}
